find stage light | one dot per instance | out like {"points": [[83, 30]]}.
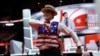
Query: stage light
{"points": [[9, 24], [60, 2], [38, 3]]}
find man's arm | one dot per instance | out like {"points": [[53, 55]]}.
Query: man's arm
{"points": [[35, 23], [68, 31]]}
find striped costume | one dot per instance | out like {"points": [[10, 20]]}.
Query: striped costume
{"points": [[48, 41], [47, 38]]}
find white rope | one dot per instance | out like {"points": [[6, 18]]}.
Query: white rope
{"points": [[11, 21]]}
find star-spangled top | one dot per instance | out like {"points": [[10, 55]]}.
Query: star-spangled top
{"points": [[53, 28]]}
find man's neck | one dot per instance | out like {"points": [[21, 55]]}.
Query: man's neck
{"points": [[47, 21]]}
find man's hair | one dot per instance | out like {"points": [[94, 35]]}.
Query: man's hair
{"points": [[65, 13]]}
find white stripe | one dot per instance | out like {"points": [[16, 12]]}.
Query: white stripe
{"points": [[50, 40], [41, 35], [54, 41], [52, 36], [39, 40], [47, 40], [52, 45]]}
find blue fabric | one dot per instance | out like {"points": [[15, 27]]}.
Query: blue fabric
{"points": [[53, 29]]}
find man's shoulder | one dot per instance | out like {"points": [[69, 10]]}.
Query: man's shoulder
{"points": [[54, 22]]}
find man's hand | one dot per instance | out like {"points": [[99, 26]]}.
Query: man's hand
{"points": [[47, 25], [79, 49]]}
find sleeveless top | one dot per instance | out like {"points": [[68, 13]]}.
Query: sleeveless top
{"points": [[47, 38]]}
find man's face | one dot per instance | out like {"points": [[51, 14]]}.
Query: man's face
{"points": [[65, 16], [48, 15]]}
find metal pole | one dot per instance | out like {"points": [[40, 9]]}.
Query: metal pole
{"points": [[97, 3]]}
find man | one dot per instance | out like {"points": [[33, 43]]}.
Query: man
{"points": [[47, 41], [68, 22], [65, 15]]}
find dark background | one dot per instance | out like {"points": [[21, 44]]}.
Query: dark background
{"points": [[14, 8]]}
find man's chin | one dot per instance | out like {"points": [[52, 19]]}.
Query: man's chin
{"points": [[47, 19]]}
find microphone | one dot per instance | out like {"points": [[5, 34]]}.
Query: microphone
{"points": [[98, 44]]}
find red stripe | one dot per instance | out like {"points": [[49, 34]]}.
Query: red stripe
{"points": [[47, 38], [61, 15], [74, 12], [51, 42]]}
